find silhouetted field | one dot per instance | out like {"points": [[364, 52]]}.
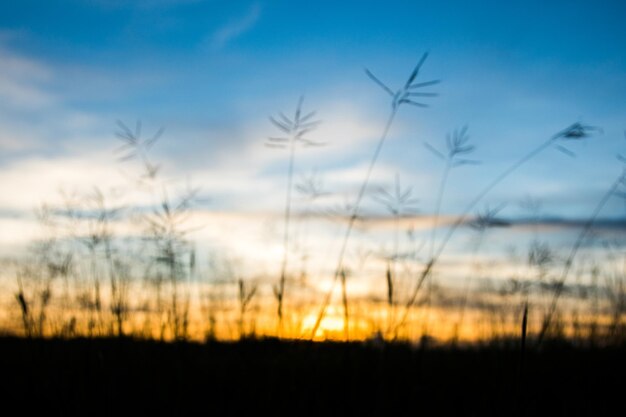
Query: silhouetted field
{"points": [[123, 376], [108, 279]]}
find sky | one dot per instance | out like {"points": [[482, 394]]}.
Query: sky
{"points": [[211, 72]]}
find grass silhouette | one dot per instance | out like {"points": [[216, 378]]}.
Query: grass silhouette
{"points": [[105, 318], [90, 277], [404, 95], [295, 130]]}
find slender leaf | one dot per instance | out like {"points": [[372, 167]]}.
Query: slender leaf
{"points": [[380, 83], [416, 70]]}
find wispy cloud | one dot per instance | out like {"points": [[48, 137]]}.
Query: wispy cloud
{"points": [[236, 27], [20, 79], [35, 115]]}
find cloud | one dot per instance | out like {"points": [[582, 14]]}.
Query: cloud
{"points": [[24, 94], [21, 80], [235, 28], [235, 167], [14, 140], [17, 234], [36, 111], [606, 224], [30, 181]]}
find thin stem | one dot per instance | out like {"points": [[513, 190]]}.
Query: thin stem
{"points": [[433, 235], [461, 219], [344, 298], [116, 297], [95, 308], [21, 298], [391, 278], [281, 286], [487, 189], [442, 186], [351, 221], [522, 359], [396, 245], [560, 285]]}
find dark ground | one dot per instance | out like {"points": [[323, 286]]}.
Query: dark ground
{"points": [[122, 376]]}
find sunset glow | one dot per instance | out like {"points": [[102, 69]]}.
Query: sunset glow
{"points": [[179, 169]]}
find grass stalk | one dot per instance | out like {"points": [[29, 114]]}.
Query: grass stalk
{"points": [[352, 219], [280, 293], [560, 284], [440, 192], [295, 130], [404, 95], [346, 311], [575, 131]]}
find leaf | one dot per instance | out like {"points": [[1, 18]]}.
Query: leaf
{"points": [[450, 143], [310, 143], [125, 128], [128, 139], [576, 131], [279, 125], [406, 194], [462, 162], [250, 295], [413, 103], [309, 125], [286, 120], [385, 194], [148, 143], [138, 129], [128, 157], [299, 108], [303, 132], [424, 84], [307, 117], [416, 70], [166, 207], [566, 151], [380, 83], [152, 170], [434, 151], [464, 149], [463, 133]]}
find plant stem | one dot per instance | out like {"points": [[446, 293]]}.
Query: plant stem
{"points": [[560, 285], [352, 219], [522, 359], [461, 219], [442, 186], [280, 293], [392, 273], [344, 298], [433, 235]]}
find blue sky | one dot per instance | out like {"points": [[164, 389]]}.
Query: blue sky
{"points": [[211, 72]]}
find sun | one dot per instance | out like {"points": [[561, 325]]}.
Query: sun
{"points": [[332, 326]]}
